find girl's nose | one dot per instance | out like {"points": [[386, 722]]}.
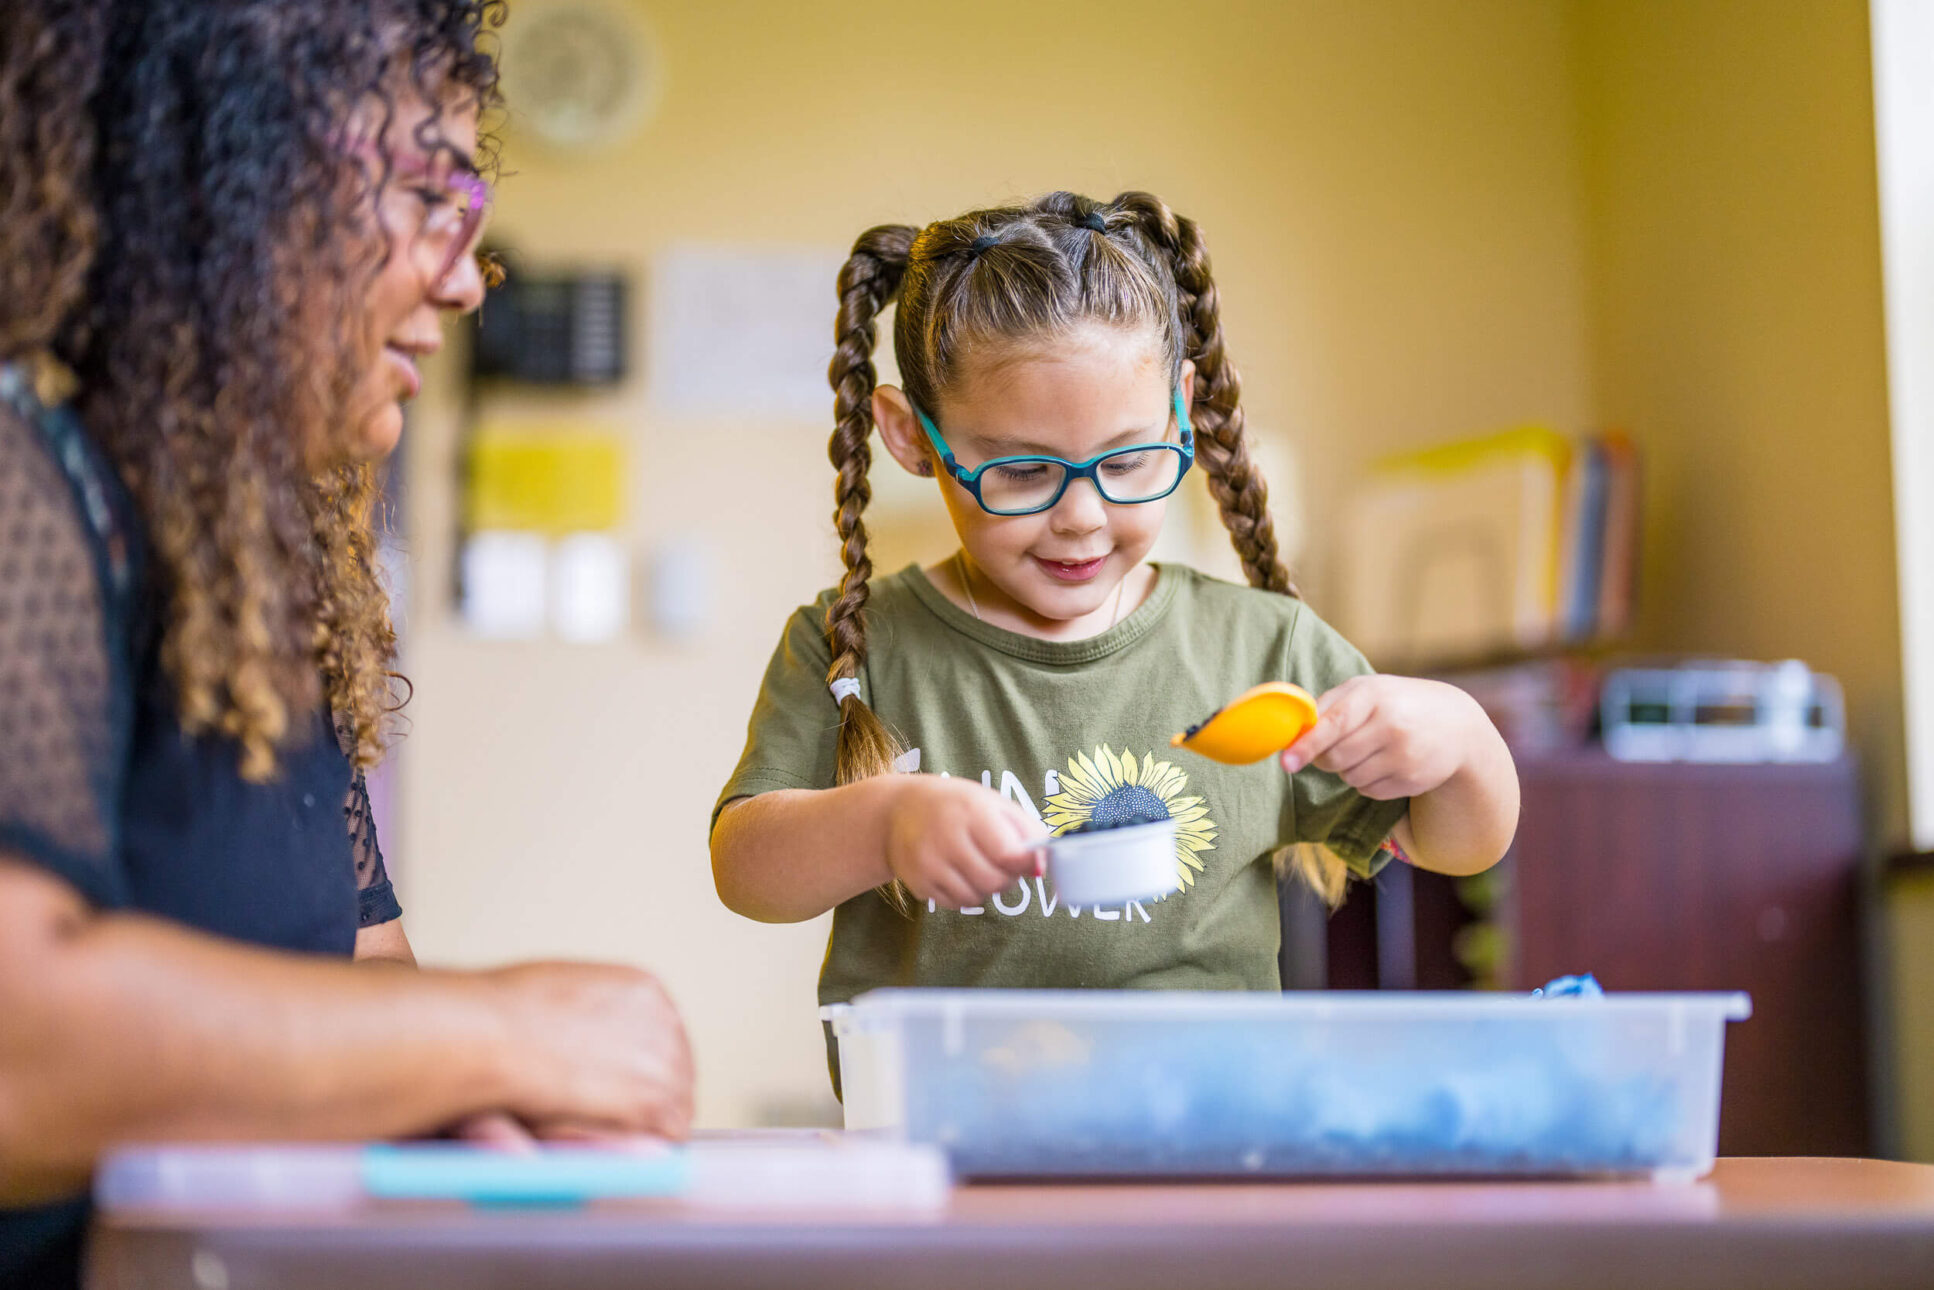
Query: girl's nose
{"points": [[1080, 510]]}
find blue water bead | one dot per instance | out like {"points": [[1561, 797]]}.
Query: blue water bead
{"points": [[1584, 986]]}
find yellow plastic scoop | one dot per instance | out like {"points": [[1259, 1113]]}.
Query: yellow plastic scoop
{"points": [[1258, 724]]}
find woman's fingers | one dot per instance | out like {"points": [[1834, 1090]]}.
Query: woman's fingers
{"points": [[498, 1129], [591, 1135]]}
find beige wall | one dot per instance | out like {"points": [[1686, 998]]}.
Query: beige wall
{"points": [[1392, 196]]}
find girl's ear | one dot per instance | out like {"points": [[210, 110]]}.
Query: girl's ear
{"points": [[900, 429], [1188, 386]]}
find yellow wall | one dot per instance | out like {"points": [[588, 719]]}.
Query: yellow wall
{"points": [[1738, 330], [1736, 322], [1429, 217], [1909, 927], [1392, 198]]}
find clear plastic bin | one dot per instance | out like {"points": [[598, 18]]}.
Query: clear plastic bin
{"points": [[1038, 1083]]}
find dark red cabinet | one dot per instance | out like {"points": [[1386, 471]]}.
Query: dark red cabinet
{"points": [[1670, 877]]}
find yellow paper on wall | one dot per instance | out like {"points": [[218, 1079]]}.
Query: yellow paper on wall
{"points": [[544, 480]]}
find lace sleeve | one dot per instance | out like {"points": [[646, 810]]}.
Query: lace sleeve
{"points": [[375, 897], [64, 686]]}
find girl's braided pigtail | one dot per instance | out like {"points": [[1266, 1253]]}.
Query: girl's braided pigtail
{"points": [[1234, 478]]}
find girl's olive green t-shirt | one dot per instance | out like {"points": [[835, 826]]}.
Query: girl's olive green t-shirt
{"points": [[1074, 731]]}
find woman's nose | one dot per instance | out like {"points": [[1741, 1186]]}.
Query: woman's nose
{"points": [[462, 289]]}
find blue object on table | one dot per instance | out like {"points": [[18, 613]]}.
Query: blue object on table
{"points": [[550, 1176], [1571, 987]]}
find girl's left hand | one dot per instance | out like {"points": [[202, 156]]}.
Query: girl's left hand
{"points": [[1389, 736]]}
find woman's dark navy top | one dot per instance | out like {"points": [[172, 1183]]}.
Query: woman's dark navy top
{"points": [[100, 786]]}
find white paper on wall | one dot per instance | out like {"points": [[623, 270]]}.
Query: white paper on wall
{"points": [[590, 588], [683, 577], [740, 332], [503, 584]]}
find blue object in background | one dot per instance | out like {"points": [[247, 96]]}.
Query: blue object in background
{"points": [[1570, 987]]}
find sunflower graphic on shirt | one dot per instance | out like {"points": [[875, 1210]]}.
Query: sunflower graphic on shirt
{"points": [[1106, 789]]}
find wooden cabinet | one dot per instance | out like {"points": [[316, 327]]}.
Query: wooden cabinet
{"points": [[1667, 877]]}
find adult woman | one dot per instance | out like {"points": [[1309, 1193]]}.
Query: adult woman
{"points": [[227, 233]]}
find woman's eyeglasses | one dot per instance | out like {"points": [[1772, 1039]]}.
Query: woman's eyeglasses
{"points": [[454, 207], [454, 217], [1142, 472]]}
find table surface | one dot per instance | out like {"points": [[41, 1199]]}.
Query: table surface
{"points": [[1766, 1223]]}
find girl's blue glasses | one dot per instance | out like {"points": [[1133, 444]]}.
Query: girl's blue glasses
{"points": [[1142, 472]]}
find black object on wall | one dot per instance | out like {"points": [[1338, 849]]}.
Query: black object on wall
{"points": [[553, 329]]}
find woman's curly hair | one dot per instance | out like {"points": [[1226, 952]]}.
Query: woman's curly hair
{"points": [[50, 62], [189, 158]]}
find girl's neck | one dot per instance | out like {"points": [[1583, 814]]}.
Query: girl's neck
{"points": [[979, 595]]}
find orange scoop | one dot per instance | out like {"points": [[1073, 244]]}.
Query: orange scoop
{"points": [[1258, 724]]}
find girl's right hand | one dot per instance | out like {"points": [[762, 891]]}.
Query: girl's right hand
{"points": [[596, 1051], [956, 842]]}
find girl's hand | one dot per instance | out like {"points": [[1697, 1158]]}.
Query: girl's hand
{"points": [[1390, 736], [956, 842]]}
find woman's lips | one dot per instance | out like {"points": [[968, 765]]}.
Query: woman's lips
{"points": [[413, 380], [1071, 570]]}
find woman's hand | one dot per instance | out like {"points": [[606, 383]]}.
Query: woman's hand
{"points": [[598, 1052], [497, 1129], [1391, 736], [956, 842]]}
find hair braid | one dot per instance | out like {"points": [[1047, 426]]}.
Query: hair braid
{"points": [[1216, 412], [1234, 478], [869, 280]]}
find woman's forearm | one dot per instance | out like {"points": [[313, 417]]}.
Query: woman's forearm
{"points": [[227, 1041], [789, 856], [384, 943]]}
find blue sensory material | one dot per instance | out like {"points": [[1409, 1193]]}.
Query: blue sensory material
{"points": [[1217, 1109], [1571, 987]]}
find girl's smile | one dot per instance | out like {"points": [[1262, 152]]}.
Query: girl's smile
{"points": [[1055, 574], [1072, 570]]}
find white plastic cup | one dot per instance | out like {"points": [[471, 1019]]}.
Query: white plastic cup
{"points": [[1114, 866]]}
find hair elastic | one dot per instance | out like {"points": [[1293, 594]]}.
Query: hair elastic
{"points": [[1094, 220], [984, 241], [844, 687]]}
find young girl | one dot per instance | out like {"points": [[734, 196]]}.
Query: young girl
{"points": [[1064, 367]]}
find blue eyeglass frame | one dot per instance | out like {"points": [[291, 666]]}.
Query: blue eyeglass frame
{"points": [[1070, 470]]}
